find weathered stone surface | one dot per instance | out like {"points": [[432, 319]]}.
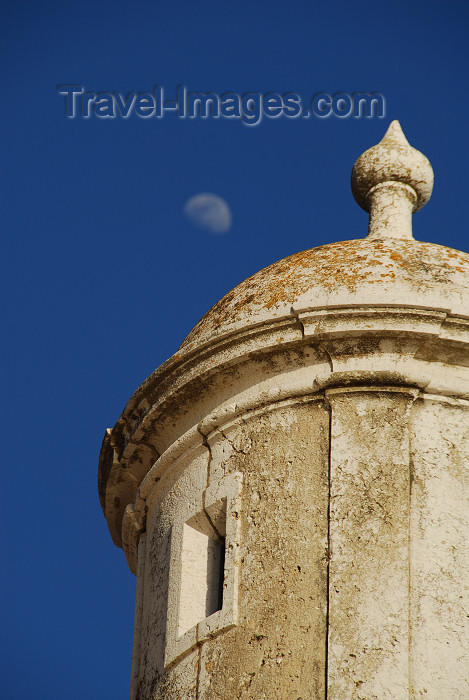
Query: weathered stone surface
{"points": [[326, 546], [368, 642], [368, 271], [277, 646], [392, 180], [277, 649], [180, 489], [439, 550], [313, 429]]}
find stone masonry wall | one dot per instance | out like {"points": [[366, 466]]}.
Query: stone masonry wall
{"points": [[346, 554]]}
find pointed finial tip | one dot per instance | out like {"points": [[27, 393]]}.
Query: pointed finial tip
{"points": [[393, 159], [394, 133]]}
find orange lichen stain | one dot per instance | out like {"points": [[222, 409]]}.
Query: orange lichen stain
{"points": [[338, 266]]}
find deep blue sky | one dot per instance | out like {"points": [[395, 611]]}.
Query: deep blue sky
{"points": [[103, 276]]}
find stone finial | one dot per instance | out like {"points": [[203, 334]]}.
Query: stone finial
{"points": [[391, 181]]}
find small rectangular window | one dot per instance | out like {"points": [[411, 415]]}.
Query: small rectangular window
{"points": [[202, 566]]}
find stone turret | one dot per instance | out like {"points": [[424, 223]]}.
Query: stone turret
{"points": [[291, 487]]}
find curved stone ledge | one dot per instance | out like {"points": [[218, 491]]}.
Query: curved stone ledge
{"points": [[214, 426], [311, 351]]}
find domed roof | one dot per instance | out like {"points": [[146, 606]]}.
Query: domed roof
{"points": [[387, 268], [363, 288], [369, 271]]}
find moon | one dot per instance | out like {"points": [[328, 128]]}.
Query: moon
{"points": [[209, 211]]}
